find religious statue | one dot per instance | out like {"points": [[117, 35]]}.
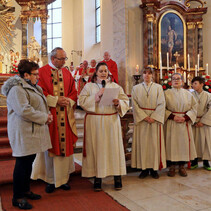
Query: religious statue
{"points": [[34, 50]]}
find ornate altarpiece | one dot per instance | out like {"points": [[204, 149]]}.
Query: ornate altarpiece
{"points": [[173, 27]]}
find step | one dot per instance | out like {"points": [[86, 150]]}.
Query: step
{"points": [[3, 121], [5, 153], [4, 141], [80, 128], [3, 131]]}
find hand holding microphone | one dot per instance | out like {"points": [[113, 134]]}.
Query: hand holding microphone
{"points": [[101, 91]]}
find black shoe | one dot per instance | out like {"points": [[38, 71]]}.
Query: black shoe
{"points": [[97, 184], [144, 174], [32, 196], [22, 204], [117, 182], [65, 187], [194, 163], [50, 188], [154, 174]]}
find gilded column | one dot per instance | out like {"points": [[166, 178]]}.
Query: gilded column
{"points": [[150, 18], [44, 54], [200, 43], [191, 26], [24, 21]]}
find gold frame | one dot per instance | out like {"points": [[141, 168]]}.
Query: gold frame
{"points": [[184, 35]]}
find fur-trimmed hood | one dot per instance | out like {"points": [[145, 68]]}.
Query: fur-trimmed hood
{"points": [[8, 84]]}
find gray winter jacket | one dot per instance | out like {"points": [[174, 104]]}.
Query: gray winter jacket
{"points": [[27, 114]]}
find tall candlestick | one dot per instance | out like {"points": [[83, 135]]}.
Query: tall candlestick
{"points": [[167, 55], [198, 62], [188, 62], [184, 75], [196, 70], [175, 68], [161, 72], [207, 69]]}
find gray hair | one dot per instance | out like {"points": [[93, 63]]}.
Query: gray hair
{"points": [[177, 74], [54, 51]]}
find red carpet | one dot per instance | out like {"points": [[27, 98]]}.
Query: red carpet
{"points": [[81, 197]]}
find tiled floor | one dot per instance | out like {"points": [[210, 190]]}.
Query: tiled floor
{"points": [[164, 194]]}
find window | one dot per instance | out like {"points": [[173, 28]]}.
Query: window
{"points": [[97, 21], [54, 25]]}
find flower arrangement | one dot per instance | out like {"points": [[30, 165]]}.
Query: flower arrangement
{"points": [[166, 83], [207, 85], [14, 68]]}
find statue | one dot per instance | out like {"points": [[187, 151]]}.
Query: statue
{"points": [[34, 50]]}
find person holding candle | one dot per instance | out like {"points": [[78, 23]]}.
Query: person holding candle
{"points": [[202, 127], [148, 149], [181, 109]]}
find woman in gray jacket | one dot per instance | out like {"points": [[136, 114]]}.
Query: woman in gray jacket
{"points": [[28, 116]]}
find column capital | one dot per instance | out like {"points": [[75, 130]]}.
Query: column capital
{"points": [[191, 25], [44, 18], [200, 25], [150, 17], [24, 19]]}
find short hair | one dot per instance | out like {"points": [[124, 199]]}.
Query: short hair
{"points": [[97, 68], [199, 79], [148, 69], [54, 51], [177, 74], [26, 66]]}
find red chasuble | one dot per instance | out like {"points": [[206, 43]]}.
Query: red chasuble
{"points": [[45, 81], [112, 66]]}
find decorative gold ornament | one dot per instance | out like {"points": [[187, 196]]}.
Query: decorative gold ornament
{"points": [[187, 3]]}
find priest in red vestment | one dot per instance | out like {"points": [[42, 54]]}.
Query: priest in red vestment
{"points": [[112, 66], [92, 68], [58, 86]]}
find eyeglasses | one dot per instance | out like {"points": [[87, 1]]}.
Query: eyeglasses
{"points": [[35, 74], [61, 59], [176, 79]]}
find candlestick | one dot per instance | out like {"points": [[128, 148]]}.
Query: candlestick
{"points": [[198, 62], [207, 69], [137, 69], [175, 68], [196, 70], [188, 79], [184, 75], [188, 62], [161, 72], [167, 55]]}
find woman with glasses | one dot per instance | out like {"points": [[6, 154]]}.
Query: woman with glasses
{"points": [[27, 128], [181, 108]]}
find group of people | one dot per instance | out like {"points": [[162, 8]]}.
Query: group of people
{"points": [[174, 126]]}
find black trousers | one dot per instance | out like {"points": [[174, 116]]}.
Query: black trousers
{"points": [[21, 175], [176, 163]]}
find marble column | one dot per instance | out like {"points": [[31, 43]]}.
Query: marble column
{"points": [[24, 21], [44, 54], [200, 43]]}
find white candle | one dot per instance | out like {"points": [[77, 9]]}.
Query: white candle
{"points": [[188, 62], [184, 77], [175, 68], [161, 72], [198, 62], [207, 69], [137, 69], [167, 61], [188, 79], [195, 70]]}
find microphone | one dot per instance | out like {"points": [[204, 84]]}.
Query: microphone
{"points": [[103, 83]]}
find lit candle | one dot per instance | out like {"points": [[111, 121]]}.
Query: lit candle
{"points": [[175, 68], [188, 62], [184, 77], [207, 69], [198, 62], [137, 69], [167, 61], [196, 70], [161, 72]]}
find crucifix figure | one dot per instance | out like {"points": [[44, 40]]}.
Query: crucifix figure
{"points": [[177, 58]]}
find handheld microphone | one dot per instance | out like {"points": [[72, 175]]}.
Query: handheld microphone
{"points": [[103, 83]]}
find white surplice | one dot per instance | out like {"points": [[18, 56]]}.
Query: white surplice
{"points": [[104, 145], [148, 139], [179, 136], [202, 135]]}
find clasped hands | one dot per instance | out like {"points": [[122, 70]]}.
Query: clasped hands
{"points": [[149, 120], [179, 119], [199, 124], [50, 119], [63, 101]]}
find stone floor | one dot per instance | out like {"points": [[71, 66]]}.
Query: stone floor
{"points": [[164, 194]]}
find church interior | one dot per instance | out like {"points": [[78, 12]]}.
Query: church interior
{"points": [[167, 36]]}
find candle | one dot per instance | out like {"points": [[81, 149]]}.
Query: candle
{"points": [[198, 62], [188, 79], [175, 68], [188, 62], [207, 69], [184, 77], [167, 61], [137, 69], [161, 72], [196, 70]]}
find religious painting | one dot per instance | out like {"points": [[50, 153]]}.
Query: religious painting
{"points": [[172, 40]]}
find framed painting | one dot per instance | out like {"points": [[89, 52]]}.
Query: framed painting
{"points": [[172, 39]]}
